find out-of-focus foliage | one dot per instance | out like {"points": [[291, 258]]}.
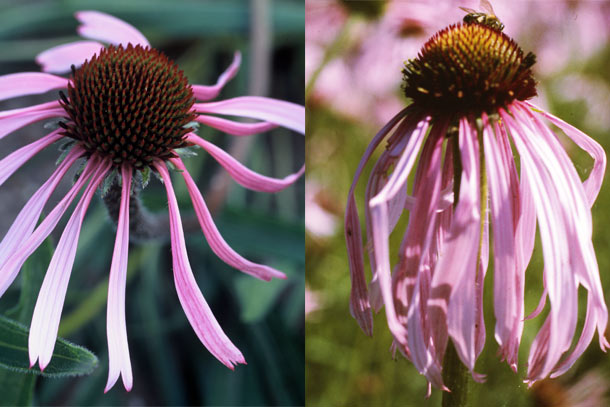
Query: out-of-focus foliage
{"points": [[344, 366], [265, 320]]}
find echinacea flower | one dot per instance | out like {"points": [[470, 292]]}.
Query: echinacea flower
{"points": [[485, 156], [126, 107]]}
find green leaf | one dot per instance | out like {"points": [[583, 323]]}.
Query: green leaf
{"points": [[68, 359]]}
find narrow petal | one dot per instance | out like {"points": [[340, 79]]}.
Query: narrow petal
{"points": [[215, 240], [203, 92], [19, 120], [61, 58], [34, 108], [195, 307], [47, 312], [29, 83], [106, 28], [454, 277], [116, 328], [360, 308], [282, 113], [235, 128], [25, 222], [507, 302], [551, 193], [240, 173], [593, 183], [16, 159], [12, 265], [380, 223]]}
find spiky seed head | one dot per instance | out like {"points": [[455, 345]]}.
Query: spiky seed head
{"points": [[468, 68], [130, 104]]}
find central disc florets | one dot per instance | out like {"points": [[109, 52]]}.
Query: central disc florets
{"points": [[469, 68], [129, 104]]}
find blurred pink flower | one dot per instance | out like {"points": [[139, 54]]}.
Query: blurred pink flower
{"points": [[469, 86], [129, 108]]}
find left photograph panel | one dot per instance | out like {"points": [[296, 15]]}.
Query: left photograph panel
{"points": [[152, 231]]}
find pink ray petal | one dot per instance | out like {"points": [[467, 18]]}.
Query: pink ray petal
{"points": [[551, 193], [235, 128], [359, 302], [15, 121], [29, 83], [16, 159], [106, 28], [116, 327], [34, 108], [456, 269], [507, 302], [203, 92], [10, 268], [593, 183], [240, 173], [380, 217], [60, 59], [282, 113], [215, 240], [25, 222], [195, 307], [47, 312]]}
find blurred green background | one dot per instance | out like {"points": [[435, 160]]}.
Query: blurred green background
{"points": [[264, 320], [346, 105]]}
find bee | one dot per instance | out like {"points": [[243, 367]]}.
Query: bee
{"points": [[487, 18]]}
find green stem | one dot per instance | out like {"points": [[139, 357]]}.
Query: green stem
{"points": [[455, 376]]}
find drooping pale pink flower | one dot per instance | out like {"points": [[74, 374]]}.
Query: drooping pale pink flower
{"points": [[468, 119], [127, 108]]}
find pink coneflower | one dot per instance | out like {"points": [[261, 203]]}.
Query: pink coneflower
{"points": [[130, 109], [468, 120]]}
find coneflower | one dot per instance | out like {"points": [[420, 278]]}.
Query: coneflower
{"points": [[126, 107], [468, 119]]}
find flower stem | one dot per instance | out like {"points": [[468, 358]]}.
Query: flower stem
{"points": [[455, 376]]}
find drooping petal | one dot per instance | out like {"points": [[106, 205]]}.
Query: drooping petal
{"points": [[380, 223], [16, 159], [235, 128], [583, 262], [507, 302], [282, 113], [240, 173], [106, 28], [47, 312], [360, 308], [215, 240], [195, 307], [29, 83], [116, 328], [59, 59], [203, 92], [12, 265], [550, 189], [17, 120], [593, 183], [25, 222], [454, 278]]}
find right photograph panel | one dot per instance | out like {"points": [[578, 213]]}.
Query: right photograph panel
{"points": [[456, 209]]}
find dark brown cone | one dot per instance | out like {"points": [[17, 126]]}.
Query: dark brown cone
{"points": [[129, 104], [468, 68]]}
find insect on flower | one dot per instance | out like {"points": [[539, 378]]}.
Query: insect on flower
{"points": [[470, 119], [488, 17]]}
